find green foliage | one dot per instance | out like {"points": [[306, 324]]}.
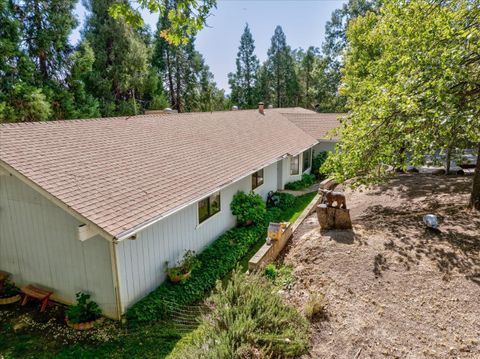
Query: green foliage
{"points": [[282, 200], [270, 271], [318, 162], [405, 103], [85, 310], [306, 181], [244, 81], [282, 79], [188, 263], [248, 207], [186, 19], [9, 289], [248, 318]]}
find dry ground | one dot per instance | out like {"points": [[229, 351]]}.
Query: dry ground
{"points": [[393, 288]]}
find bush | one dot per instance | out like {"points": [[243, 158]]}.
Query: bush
{"points": [[84, 311], [248, 320], [281, 200], [315, 305], [317, 163], [248, 207], [306, 181], [270, 271]]}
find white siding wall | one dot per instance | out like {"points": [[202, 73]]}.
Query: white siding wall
{"points": [[38, 245], [141, 262], [324, 146]]}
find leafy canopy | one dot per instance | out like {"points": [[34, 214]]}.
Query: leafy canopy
{"points": [[411, 77], [186, 18]]}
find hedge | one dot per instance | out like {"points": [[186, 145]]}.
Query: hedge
{"points": [[306, 181], [217, 260]]}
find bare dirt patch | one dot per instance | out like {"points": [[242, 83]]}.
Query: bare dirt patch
{"points": [[395, 289]]}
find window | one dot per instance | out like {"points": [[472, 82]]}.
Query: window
{"points": [[257, 179], [294, 165], [208, 207], [307, 159]]}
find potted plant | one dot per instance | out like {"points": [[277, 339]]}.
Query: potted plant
{"points": [[83, 315], [184, 267], [248, 208], [9, 293]]}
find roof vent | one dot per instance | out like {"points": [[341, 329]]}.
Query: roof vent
{"points": [[234, 108], [169, 110], [261, 107], [270, 107]]}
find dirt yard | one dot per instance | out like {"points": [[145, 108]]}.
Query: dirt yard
{"points": [[393, 288]]}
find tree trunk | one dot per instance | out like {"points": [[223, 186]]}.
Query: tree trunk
{"points": [[449, 155], [475, 195]]}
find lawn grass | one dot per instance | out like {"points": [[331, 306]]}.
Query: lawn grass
{"points": [[152, 341]]}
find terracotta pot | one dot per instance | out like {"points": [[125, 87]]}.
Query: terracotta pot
{"points": [[249, 222], [10, 300], [84, 326], [179, 278]]}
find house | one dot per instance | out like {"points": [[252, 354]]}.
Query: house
{"points": [[317, 125], [100, 205]]}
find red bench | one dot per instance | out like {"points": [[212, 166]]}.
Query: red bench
{"points": [[40, 294]]}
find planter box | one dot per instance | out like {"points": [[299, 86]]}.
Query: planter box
{"points": [[10, 300], [84, 326]]}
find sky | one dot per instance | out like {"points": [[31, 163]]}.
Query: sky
{"points": [[303, 22]]}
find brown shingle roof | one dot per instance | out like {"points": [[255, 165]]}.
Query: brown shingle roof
{"points": [[317, 125], [121, 173]]}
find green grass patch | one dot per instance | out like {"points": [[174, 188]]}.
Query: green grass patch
{"points": [[301, 202]]}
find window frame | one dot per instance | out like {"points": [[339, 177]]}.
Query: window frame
{"points": [[309, 152], [297, 172], [210, 213], [255, 179]]}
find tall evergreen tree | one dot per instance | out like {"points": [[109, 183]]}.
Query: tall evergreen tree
{"points": [[47, 26], [243, 82], [119, 71], [281, 69]]}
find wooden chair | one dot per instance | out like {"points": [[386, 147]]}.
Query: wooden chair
{"points": [[40, 294]]}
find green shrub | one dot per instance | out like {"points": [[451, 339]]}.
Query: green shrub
{"points": [[282, 200], [248, 320], [270, 271], [85, 310], [248, 207], [318, 162], [306, 181]]}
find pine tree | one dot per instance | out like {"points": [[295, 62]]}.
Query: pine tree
{"points": [[243, 82], [46, 27], [280, 64], [119, 71]]}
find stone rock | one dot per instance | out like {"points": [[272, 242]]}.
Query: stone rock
{"points": [[333, 218]]}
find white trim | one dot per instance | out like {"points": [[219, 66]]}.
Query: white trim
{"points": [[55, 200], [116, 280], [86, 231]]}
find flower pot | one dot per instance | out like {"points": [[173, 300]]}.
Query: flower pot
{"points": [[84, 326], [10, 300], [248, 223], [176, 278]]}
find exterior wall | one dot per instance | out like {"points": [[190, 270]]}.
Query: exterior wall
{"points": [[39, 245], [324, 146], [142, 262]]}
